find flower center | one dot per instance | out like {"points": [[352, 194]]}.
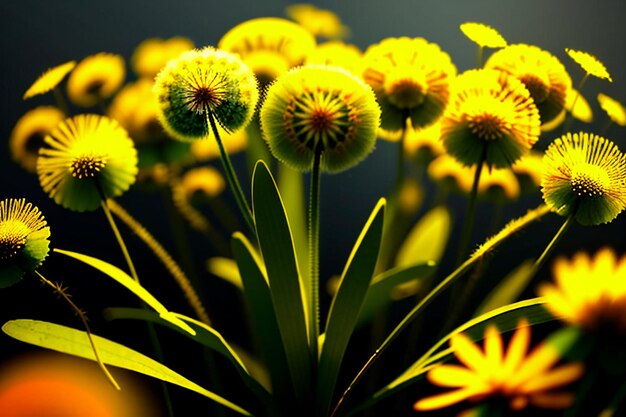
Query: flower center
{"points": [[87, 166], [406, 90], [12, 239], [589, 180], [203, 93], [538, 86], [488, 126]]}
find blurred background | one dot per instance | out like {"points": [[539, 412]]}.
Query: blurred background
{"points": [[36, 35]]}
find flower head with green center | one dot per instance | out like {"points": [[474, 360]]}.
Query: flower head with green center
{"points": [[491, 116], [589, 292], [154, 53], [23, 239], [613, 108], [518, 376], [203, 81], [589, 63], [96, 78], [87, 157], [270, 46], [49, 79], [483, 35], [541, 72], [320, 109], [411, 79], [585, 174]]}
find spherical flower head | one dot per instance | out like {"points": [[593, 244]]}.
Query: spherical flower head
{"points": [[492, 109], [613, 108], [320, 109], [483, 35], [585, 174], [522, 378], [270, 46], [337, 54], [153, 54], [411, 79], [589, 292], [320, 22], [589, 63], [96, 78], [49, 80], [202, 81], [87, 157], [541, 72], [23, 239], [29, 132]]}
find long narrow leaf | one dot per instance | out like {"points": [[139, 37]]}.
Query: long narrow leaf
{"points": [[346, 304], [427, 240], [509, 289], [74, 342]]}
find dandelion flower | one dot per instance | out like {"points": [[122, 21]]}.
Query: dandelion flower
{"points": [[320, 22], [204, 150], [585, 174], [96, 78], [49, 79], [28, 134], [23, 239], [492, 117], [529, 171], [483, 35], [498, 185], [589, 292], [613, 108], [270, 46], [205, 181], [522, 378], [152, 54], [320, 109], [423, 145], [202, 81], [541, 72], [86, 156], [411, 78], [589, 63], [337, 54], [448, 173]]}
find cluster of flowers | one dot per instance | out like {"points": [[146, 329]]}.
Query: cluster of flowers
{"points": [[270, 88]]}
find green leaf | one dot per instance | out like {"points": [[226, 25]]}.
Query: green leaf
{"points": [[346, 304], [508, 289], [427, 240], [226, 269], [261, 308], [130, 284], [74, 342]]}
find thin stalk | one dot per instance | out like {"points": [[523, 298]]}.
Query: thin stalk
{"points": [[231, 177], [480, 55], [61, 103], [313, 238], [615, 403], [570, 112], [550, 248], [118, 238]]}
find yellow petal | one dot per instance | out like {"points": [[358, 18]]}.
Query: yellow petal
{"points": [[557, 377], [493, 347], [446, 399], [452, 376], [518, 346], [539, 360], [553, 400], [468, 353]]}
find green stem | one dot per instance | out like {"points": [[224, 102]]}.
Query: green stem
{"points": [[118, 237], [231, 177], [480, 55], [570, 111], [550, 248], [314, 232]]}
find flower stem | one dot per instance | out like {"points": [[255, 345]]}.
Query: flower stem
{"points": [[314, 236], [118, 237], [231, 177], [550, 248], [480, 55]]}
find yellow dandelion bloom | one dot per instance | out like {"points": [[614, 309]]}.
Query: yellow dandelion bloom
{"points": [[579, 109], [411, 78], [411, 196], [498, 184], [270, 46], [450, 174], [589, 291], [96, 78], [529, 171], [320, 22], [204, 181], [491, 117], [522, 378], [541, 72], [613, 108], [585, 175], [28, 134], [423, 145], [49, 79], [589, 63], [153, 53], [337, 54], [23, 239], [483, 35], [87, 157]]}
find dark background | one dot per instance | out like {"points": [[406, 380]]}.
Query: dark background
{"points": [[36, 35]]}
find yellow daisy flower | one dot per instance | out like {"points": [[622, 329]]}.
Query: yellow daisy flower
{"points": [[589, 292], [23, 239], [483, 35], [270, 46], [154, 53], [87, 157], [96, 78], [541, 72], [28, 134], [49, 79], [205, 181], [589, 63], [337, 54], [320, 109], [585, 175], [613, 108], [491, 117], [521, 377], [411, 79], [320, 22]]}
